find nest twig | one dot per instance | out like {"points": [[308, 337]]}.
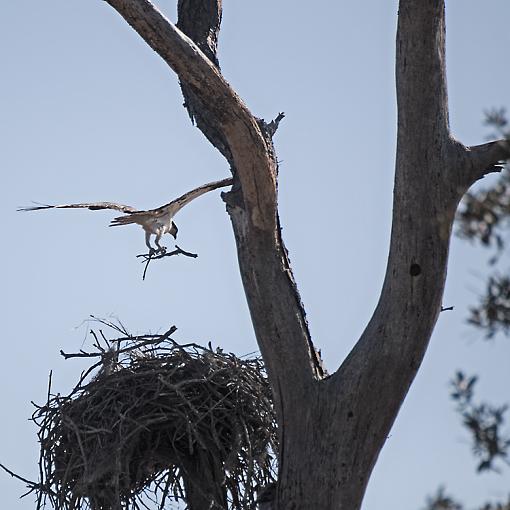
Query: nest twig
{"points": [[149, 423], [148, 257]]}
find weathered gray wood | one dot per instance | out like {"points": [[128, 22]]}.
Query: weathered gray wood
{"points": [[332, 429], [485, 157], [203, 478]]}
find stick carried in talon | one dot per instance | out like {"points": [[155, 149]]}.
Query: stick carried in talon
{"points": [[155, 222], [153, 255]]}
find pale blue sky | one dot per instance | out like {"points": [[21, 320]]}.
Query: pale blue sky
{"points": [[89, 112]]}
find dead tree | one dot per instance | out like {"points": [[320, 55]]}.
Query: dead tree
{"points": [[331, 429]]}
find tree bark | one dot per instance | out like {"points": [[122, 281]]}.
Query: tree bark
{"points": [[204, 477], [332, 428]]}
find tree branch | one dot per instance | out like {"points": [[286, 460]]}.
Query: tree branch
{"points": [[355, 408], [420, 71], [373, 381], [200, 20], [257, 172], [280, 325], [488, 157], [277, 314], [148, 257]]}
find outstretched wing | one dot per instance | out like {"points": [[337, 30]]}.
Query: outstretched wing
{"points": [[93, 206], [176, 205]]}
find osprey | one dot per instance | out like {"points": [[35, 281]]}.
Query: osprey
{"points": [[154, 221]]}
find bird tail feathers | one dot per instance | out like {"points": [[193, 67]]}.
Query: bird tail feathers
{"points": [[123, 220]]}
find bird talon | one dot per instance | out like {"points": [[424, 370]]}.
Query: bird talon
{"points": [[162, 250]]}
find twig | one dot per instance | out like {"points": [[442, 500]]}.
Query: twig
{"points": [[81, 354], [273, 125], [446, 308], [147, 257], [143, 340], [119, 327], [31, 485]]}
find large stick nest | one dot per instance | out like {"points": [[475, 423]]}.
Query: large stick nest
{"points": [[146, 422]]}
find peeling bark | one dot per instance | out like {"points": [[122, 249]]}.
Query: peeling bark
{"points": [[332, 428]]}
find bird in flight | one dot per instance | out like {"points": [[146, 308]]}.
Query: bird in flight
{"points": [[155, 222]]}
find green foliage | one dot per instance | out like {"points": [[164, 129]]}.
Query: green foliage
{"points": [[485, 213], [492, 314], [441, 501], [483, 421], [484, 217]]}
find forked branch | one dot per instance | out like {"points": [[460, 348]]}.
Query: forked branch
{"points": [[148, 257], [280, 324], [246, 143], [353, 409]]}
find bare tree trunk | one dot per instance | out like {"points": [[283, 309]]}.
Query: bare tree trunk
{"points": [[332, 429], [204, 477]]}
